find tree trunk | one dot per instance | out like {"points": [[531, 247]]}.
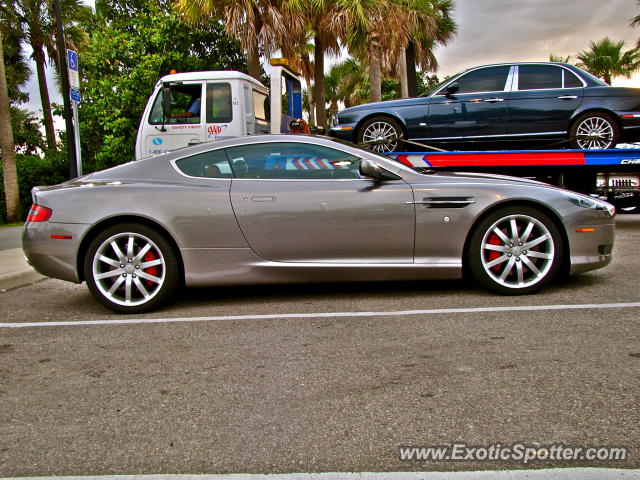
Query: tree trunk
{"points": [[50, 133], [402, 69], [411, 70], [375, 73], [9, 173], [253, 54], [312, 107], [318, 80]]}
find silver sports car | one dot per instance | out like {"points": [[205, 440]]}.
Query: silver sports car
{"points": [[281, 209]]}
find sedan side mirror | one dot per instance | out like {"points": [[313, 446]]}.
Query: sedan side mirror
{"points": [[453, 88], [370, 169]]}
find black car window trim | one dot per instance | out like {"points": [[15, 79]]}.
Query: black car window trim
{"points": [[516, 78], [398, 168], [508, 84]]}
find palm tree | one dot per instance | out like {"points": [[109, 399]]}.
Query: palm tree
{"points": [[559, 58], [390, 26], [607, 60], [329, 21], [37, 21], [257, 24], [7, 147]]}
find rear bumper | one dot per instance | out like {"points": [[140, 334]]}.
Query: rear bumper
{"points": [[52, 248]]}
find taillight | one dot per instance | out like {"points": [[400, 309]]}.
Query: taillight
{"points": [[38, 213]]}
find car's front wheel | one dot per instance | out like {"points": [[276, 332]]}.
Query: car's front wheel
{"points": [[594, 131], [381, 135], [515, 250], [131, 268]]}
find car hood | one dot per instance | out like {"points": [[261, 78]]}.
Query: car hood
{"points": [[387, 104], [501, 178]]}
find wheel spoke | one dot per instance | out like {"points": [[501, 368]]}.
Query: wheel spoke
{"points": [[141, 287], [143, 251], [109, 274], [507, 269], [152, 263], [502, 236], [130, 246], [536, 242], [520, 272], [530, 265], [534, 254], [116, 285], [118, 252], [527, 232], [496, 248], [514, 230], [109, 261], [146, 276], [127, 288], [497, 261]]}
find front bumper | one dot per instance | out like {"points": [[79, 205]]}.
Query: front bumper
{"points": [[590, 246]]}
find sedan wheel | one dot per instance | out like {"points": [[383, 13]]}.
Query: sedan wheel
{"points": [[515, 251], [131, 268], [380, 135], [594, 132]]}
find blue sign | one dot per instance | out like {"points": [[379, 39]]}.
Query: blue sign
{"points": [[157, 141], [72, 60], [75, 94]]}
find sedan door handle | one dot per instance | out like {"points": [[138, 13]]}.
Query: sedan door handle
{"points": [[494, 100], [193, 142], [567, 97]]}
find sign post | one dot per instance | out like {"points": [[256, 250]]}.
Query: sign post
{"points": [[74, 86]]}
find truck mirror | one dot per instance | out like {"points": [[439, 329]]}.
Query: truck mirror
{"points": [[166, 101]]}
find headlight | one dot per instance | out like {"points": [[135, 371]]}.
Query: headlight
{"points": [[585, 201]]}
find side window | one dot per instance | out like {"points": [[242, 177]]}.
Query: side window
{"points": [[571, 81], [537, 77], [261, 111], [280, 160], [491, 79], [185, 105], [219, 108], [213, 164]]}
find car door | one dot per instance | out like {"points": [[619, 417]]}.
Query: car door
{"points": [[477, 109], [301, 202], [543, 100]]}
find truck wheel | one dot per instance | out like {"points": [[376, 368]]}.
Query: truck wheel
{"points": [[594, 131], [131, 268], [380, 134], [515, 251]]}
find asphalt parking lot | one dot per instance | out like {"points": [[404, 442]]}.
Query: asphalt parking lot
{"points": [[320, 378]]}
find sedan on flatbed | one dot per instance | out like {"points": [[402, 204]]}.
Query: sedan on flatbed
{"points": [[502, 106], [283, 209]]}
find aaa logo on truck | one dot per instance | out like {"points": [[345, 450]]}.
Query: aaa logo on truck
{"points": [[214, 130]]}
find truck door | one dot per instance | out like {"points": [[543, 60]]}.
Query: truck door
{"points": [[182, 126], [223, 117]]}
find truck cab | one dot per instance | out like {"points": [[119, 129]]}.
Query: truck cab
{"points": [[198, 107]]}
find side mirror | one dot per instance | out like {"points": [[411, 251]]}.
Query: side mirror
{"points": [[453, 88], [369, 169], [166, 100]]}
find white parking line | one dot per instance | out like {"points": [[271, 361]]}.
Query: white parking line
{"points": [[278, 316], [544, 474]]}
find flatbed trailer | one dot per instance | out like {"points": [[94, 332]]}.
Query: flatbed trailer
{"points": [[610, 174]]}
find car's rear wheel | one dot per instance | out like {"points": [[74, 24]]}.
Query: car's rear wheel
{"points": [[515, 250], [594, 131], [380, 134], [131, 268]]}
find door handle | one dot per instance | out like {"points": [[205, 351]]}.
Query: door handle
{"points": [[193, 142], [265, 198], [494, 100], [567, 97]]}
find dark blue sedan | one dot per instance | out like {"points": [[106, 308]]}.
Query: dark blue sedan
{"points": [[504, 105]]}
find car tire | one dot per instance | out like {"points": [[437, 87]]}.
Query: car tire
{"points": [[515, 251], [594, 131], [131, 268], [381, 128]]}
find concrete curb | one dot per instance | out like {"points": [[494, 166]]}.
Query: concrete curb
{"points": [[15, 271]]}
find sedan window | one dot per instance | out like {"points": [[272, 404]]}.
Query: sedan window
{"points": [[212, 164], [282, 160], [538, 77], [492, 79]]}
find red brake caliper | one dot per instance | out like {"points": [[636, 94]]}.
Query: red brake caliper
{"points": [[149, 256], [494, 240]]}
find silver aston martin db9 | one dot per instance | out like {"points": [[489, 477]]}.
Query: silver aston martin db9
{"points": [[282, 209]]}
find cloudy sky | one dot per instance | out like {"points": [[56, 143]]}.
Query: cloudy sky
{"points": [[509, 30]]}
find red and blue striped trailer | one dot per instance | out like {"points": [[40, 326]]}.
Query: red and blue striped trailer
{"points": [[614, 174]]}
